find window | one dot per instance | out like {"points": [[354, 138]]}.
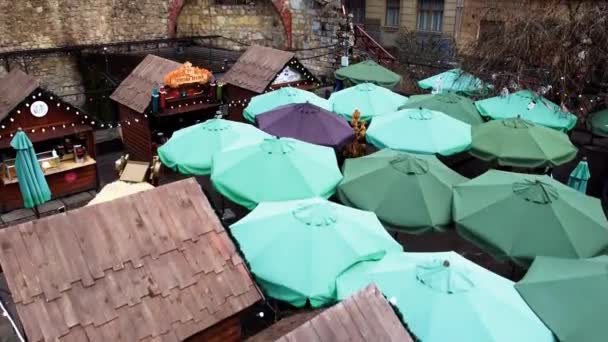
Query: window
{"points": [[392, 13], [357, 9], [430, 15]]}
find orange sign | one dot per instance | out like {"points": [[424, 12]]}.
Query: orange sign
{"points": [[187, 74]]}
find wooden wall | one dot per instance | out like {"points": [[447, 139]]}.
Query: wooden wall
{"points": [[228, 330], [233, 93], [136, 134]]}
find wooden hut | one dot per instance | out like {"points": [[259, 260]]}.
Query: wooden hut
{"points": [[159, 97], [152, 266], [61, 134], [259, 70], [366, 316]]}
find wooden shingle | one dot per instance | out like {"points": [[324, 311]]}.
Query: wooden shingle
{"points": [[14, 88], [155, 265]]}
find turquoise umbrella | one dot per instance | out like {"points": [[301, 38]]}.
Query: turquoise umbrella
{"points": [[529, 106], [420, 131], [369, 99], [281, 97], [445, 297], [297, 249], [190, 150], [580, 176], [456, 81], [368, 72], [275, 170], [34, 189]]}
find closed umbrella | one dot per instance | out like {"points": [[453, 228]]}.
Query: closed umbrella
{"points": [[369, 99], [519, 216], [410, 193], [420, 131], [529, 106], [368, 72], [445, 297], [456, 81], [599, 123], [297, 249], [569, 296], [580, 176], [275, 170], [307, 122], [34, 188], [521, 143], [190, 150], [280, 97], [456, 106]]}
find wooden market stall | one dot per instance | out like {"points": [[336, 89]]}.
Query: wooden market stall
{"points": [[153, 266], [159, 97], [61, 134], [259, 70]]}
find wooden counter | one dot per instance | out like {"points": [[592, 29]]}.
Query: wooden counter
{"points": [[64, 166]]}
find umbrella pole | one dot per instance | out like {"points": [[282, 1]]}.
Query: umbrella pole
{"points": [[36, 212]]}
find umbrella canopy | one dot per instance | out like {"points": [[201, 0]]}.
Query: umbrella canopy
{"points": [[280, 97], [275, 170], [296, 249], [33, 185], [580, 176], [412, 193], [569, 296], [599, 123], [420, 131], [456, 106], [520, 143], [529, 106], [209, 137], [119, 189], [522, 216], [368, 72], [369, 99], [456, 81], [445, 297], [307, 122]]}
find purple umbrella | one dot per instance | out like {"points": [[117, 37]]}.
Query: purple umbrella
{"points": [[309, 123]]}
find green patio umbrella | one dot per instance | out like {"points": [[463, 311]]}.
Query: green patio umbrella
{"points": [[411, 193], [456, 106], [519, 216], [599, 123], [521, 143], [281, 97], [369, 99], [275, 170], [190, 150], [368, 72], [297, 249], [569, 296], [420, 131], [456, 81], [580, 176], [34, 188], [445, 297], [528, 106]]}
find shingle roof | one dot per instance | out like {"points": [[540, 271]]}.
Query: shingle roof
{"points": [[156, 265], [135, 91], [366, 316], [14, 88], [257, 68]]}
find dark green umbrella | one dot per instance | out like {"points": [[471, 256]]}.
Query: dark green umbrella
{"points": [[521, 143], [33, 186], [368, 72], [569, 296], [459, 107], [408, 192], [519, 216], [599, 123]]}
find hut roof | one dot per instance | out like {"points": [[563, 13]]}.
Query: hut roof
{"points": [[257, 68], [135, 91], [14, 88], [366, 316], [153, 266]]}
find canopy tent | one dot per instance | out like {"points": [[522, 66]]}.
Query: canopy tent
{"points": [[368, 72], [459, 107], [369, 99]]}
